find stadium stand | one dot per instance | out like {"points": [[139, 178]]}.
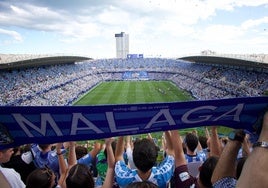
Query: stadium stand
{"points": [[62, 84]]}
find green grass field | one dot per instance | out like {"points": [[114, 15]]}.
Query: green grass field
{"points": [[133, 92]]}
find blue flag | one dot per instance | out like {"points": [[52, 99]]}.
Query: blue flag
{"points": [[50, 124]]}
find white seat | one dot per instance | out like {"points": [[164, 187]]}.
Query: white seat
{"points": [[193, 168]]}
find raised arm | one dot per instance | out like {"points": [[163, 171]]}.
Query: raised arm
{"points": [[215, 145], [163, 142], [169, 144], [119, 150], [64, 169], [149, 136], [108, 182], [207, 133], [72, 160], [254, 173], [128, 142], [227, 161], [178, 149], [62, 164]]}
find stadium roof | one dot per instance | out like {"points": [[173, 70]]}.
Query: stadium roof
{"points": [[225, 61], [41, 61]]}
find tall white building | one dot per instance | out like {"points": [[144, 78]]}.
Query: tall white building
{"points": [[122, 45]]}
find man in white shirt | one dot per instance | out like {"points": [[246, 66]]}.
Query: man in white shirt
{"points": [[9, 175]]}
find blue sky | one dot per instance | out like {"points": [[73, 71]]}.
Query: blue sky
{"points": [[166, 28]]}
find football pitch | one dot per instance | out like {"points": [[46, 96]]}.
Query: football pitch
{"points": [[133, 92]]}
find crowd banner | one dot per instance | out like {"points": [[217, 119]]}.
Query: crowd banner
{"points": [[50, 124]]}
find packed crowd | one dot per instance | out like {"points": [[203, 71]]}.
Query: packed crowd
{"points": [[63, 84], [174, 160]]}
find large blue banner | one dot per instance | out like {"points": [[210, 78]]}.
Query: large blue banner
{"points": [[51, 124]]}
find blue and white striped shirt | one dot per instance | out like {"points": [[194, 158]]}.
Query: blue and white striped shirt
{"points": [[160, 174]]}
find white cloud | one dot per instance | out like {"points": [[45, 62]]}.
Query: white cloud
{"points": [[28, 16], [13, 34], [171, 16], [113, 16], [19, 12], [253, 23], [219, 33], [251, 3]]}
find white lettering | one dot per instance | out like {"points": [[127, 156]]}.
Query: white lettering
{"points": [[90, 125], [167, 115], [22, 121], [110, 118], [185, 119], [238, 109]]}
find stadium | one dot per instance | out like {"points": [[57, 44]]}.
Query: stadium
{"points": [[62, 80], [133, 94]]}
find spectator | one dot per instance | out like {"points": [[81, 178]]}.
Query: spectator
{"points": [[144, 157], [80, 176], [192, 153], [90, 158], [110, 178], [42, 178], [17, 162], [102, 160], [203, 141], [142, 184], [8, 176], [45, 156], [80, 151], [45, 177], [129, 152], [182, 177]]}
